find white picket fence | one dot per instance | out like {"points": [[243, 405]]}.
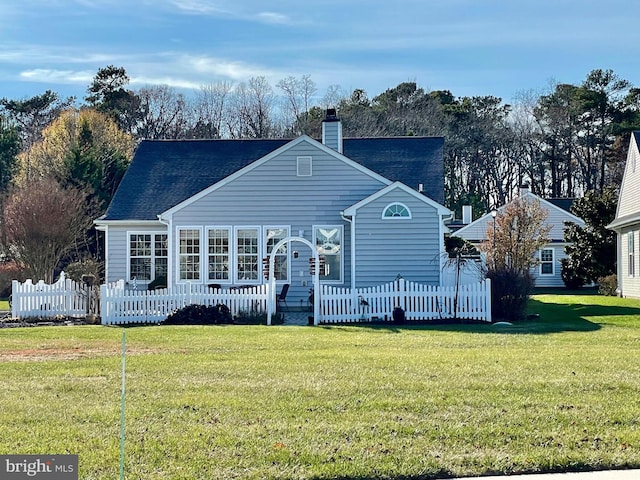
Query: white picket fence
{"points": [[62, 298], [418, 301], [121, 306]]}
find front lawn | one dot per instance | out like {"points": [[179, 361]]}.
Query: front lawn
{"points": [[557, 393], [4, 305]]}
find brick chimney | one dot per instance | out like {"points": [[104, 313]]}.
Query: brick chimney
{"points": [[332, 130]]}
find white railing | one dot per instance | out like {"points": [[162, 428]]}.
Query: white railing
{"points": [[419, 302], [121, 306], [63, 298]]}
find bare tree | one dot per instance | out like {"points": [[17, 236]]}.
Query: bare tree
{"points": [[41, 223], [297, 102], [520, 231], [163, 113], [209, 110], [251, 113]]}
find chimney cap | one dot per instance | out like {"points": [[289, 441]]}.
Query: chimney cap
{"points": [[331, 115]]}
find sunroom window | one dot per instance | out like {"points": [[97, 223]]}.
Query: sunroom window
{"points": [[328, 242], [189, 254], [273, 236], [218, 251], [247, 254], [148, 256]]}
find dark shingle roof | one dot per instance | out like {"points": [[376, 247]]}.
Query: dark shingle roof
{"points": [[164, 173], [563, 203]]}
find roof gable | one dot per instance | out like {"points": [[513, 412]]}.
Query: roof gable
{"points": [[628, 208], [166, 173], [352, 210], [477, 229], [265, 159]]}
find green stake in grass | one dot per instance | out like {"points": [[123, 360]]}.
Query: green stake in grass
{"points": [[124, 351]]}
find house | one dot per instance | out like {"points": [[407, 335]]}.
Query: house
{"points": [[548, 271], [627, 223], [208, 211]]}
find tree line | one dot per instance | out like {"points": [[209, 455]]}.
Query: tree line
{"points": [[564, 142]]}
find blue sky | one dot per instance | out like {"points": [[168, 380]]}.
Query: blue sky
{"points": [[470, 47]]}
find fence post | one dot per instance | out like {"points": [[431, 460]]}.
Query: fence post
{"points": [[487, 300], [104, 301], [15, 298]]}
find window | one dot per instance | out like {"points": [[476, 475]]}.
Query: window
{"points": [[632, 266], [189, 254], [546, 261], [247, 254], [304, 166], [328, 242], [396, 210], [148, 256], [281, 265], [219, 252]]}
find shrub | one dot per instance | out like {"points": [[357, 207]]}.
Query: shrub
{"points": [[9, 271], [252, 317], [608, 285], [571, 278], [200, 315], [510, 291], [88, 267]]}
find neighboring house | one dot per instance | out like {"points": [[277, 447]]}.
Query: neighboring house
{"points": [[548, 271], [627, 223], [209, 211]]}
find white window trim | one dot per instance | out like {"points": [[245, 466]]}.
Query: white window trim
{"points": [[287, 229], [304, 161], [229, 229], [261, 241], [384, 210], [552, 261], [177, 257], [153, 234], [340, 281], [631, 254]]}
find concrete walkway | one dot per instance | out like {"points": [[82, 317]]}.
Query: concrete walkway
{"points": [[603, 475]]}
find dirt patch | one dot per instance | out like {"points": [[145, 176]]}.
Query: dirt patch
{"points": [[45, 354]]}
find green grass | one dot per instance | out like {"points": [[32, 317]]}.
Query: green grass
{"points": [[558, 393], [4, 305]]}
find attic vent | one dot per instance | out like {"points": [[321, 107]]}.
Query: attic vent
{"points": [[304, 166]]}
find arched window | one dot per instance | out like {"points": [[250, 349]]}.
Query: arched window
{"points": [[396, 210]]}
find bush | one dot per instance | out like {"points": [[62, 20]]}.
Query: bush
{"points": [[200, 315], [608, 285], [9, 271], [571, 278], [510, 291], [86, 268]]}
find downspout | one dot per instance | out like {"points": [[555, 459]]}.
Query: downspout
{"points": [[352, 221], [443, 250]]}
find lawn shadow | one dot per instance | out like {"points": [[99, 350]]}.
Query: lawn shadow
{"points": [[544, 318]]}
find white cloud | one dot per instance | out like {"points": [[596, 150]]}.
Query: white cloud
{"points": [[44, 75]]}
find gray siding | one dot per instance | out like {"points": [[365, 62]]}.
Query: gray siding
{"points": [[476, 232], [117, 246], [629, 202], [407, 247], [629, 284], [271, 194], [554, 280]]}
